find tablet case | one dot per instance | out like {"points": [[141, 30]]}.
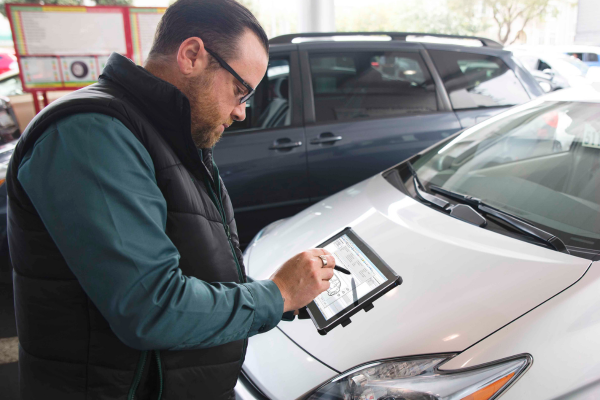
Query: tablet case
{"points": [[304, 312]]}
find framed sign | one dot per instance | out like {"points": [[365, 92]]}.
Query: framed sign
{"points": [[66, 47]]}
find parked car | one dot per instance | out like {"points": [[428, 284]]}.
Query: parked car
{"points": [[9, 127], [332, 112], [22, 102], [563, 70], [480, 300], [8, 62], [548, 82], [588, 54], [6, 151]]}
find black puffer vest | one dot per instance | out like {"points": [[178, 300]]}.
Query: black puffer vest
{"points": [[67, 349]]}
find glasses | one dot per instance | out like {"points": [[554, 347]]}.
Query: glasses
{"points": [[226, 66]]}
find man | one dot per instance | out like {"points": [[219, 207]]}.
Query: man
{"points": [[129, 280]]}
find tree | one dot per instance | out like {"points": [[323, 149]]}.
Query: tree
{"points": [[457, 17], [509, 14]]}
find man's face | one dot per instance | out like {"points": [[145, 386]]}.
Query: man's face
{"points": [[215, 94]]}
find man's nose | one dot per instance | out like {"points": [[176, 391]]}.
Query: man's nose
{"points": [[239, 113]]}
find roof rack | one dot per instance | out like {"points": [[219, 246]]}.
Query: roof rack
{"points": [[401, 36]]}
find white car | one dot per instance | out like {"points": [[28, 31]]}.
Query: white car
{"points": [[564, 70], [511, 308]]}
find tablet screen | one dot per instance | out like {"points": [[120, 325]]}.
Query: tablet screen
{"points": [[345, 289]]}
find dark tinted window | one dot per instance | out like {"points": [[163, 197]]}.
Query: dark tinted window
{"points": [[542, 66], [370, 84], [271, 105], [592, 57], [478, 80]]}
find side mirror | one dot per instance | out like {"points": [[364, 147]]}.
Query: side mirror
{"points": [[546, 87]]}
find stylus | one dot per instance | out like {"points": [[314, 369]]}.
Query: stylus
{"points": [[342, 270]]}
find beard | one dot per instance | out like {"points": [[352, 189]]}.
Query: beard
{"points": [[204, 112]]}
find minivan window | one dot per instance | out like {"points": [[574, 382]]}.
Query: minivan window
{"points": [[271, 105], [478, 80], [370, 84]]}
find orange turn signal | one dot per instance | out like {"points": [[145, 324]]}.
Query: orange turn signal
{"points": [[489, 390]]}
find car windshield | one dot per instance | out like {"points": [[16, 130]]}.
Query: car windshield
{"points": [[540, 162]]}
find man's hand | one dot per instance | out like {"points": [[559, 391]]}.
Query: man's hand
{"points": [[303, 277]]}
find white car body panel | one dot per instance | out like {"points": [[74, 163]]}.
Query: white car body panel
{"points": [[288, 370], [461, 282], [562, 335]]}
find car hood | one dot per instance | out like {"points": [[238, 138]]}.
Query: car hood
{"points": [[461, 282]]}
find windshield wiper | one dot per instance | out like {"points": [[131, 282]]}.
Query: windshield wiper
{"points": [[512, 220], [441, 203], [459, 211]]}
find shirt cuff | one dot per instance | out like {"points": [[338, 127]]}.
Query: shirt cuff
{"points": [[268, 305]]}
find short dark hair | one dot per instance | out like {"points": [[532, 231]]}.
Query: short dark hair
{"points": [[219, 23]]}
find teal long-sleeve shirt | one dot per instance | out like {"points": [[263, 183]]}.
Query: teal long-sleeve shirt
{"points": [[92, 183]]}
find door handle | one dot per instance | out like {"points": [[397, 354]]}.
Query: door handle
{"points": [[284, 146], [325, 139]]}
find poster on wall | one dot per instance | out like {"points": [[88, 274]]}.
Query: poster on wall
{"points": [[143, 26], [79, 70], [40, 72], [66, 47], [45, 30]]}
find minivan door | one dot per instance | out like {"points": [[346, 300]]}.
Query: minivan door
{"points": [[367, 109], [262, 159]]}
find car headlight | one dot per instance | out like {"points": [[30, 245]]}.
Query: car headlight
{"points": [[418, 378]]}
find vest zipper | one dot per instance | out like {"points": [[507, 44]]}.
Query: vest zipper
{"points": [[138, 375], [219, 204], [217, 201]]}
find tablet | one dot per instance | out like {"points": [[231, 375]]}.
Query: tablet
{"points": [[370, 279]]}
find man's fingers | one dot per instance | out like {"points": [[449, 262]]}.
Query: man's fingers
{"points": [[318, 252], [330, 259], [325, 286], [330, 262], [326, 252], [327, 274]]}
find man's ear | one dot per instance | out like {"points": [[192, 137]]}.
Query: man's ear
{"points": [[192, 58]]}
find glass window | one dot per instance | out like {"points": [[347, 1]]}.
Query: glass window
{"points": [[576, 55], [592, 57], [478, 80], [540, 163], [271, 105], [542, 66], [11, 86], [370, 84]]}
